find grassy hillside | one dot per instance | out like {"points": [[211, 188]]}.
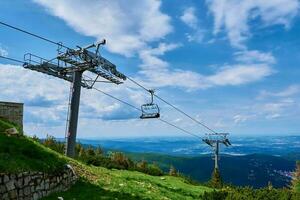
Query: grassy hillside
{"points": [[99, 182], [24, 154]]}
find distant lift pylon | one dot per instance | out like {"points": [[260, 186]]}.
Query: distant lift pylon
{"points": [[150, 110], [214, 140]]}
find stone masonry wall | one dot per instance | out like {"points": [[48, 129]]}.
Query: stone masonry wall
{"points": [[12, 112], [34, 185]]}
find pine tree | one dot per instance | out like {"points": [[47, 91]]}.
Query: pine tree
{"points": [[99, 151], [296, 177], [270, 185], [216, 180]]}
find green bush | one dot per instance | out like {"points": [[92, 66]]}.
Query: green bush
{"points": [[154, 170], [51, 143], [246, 193]]}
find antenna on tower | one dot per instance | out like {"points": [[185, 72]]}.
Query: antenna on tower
{"points": [[214, 140], [70, 65]]}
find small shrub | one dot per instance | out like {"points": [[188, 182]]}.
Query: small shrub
{"points": [[51, 143], [173, 171], [154, 170]]}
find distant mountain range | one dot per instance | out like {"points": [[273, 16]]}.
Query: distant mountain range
{"points": [[270, 145]]}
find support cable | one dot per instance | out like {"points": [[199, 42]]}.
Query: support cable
{"points": [[184, 113], [32, 34], [136, 108], [12, 59]]}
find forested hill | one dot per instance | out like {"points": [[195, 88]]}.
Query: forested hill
{"points": [[254, 170]]}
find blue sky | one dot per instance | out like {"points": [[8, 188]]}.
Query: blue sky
{"points": [[233, 65]]}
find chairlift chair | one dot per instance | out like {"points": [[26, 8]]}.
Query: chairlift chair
{"points": [[150, 110]]}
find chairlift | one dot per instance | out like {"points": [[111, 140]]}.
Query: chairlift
{"points": [[150, 110]]}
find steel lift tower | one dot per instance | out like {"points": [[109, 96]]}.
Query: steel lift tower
{"points": [[70, 65], [214, 140]]}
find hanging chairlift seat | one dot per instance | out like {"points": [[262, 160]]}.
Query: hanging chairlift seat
{"points": [[150, 111]]}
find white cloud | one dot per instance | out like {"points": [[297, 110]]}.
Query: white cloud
{"points": [[128, 27], [3, 52], [130, 31], [273, 116], [158, 74], [150, 57], [273, 110], [240, 118], [287, 92], [227, 75], [234, 16], [254, 56], [275, 107], [240, 74], [190, 19]]}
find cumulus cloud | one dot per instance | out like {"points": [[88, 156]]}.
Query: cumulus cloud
{"points": [[226, 76], [190, 19], [254, 56], [132, 31], [240, 118], [240, 74], [253, 66], [150, 57], [273, 109], [3, 52], [286, 92], [129, 27], [235, 16]]}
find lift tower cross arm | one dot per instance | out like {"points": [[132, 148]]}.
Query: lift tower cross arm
{"points": [[70, 66]]}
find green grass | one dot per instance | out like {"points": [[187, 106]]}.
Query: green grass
{"points": [[297, 187], [4, 124], [102, 183], [19, 153]]}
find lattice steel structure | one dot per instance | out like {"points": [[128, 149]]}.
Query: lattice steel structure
{"points": [[70, 65], [214, 140]]}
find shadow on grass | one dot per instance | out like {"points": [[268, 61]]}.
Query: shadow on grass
{"points": [[84, 190]]}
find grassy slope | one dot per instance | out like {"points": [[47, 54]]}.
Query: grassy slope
{"points": [[23, 154], [101, 183]]}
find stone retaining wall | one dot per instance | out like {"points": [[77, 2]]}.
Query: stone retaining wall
{"points": [[35, 185]]}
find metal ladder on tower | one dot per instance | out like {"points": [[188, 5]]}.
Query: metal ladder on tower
{"points": [[68, 118]]}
